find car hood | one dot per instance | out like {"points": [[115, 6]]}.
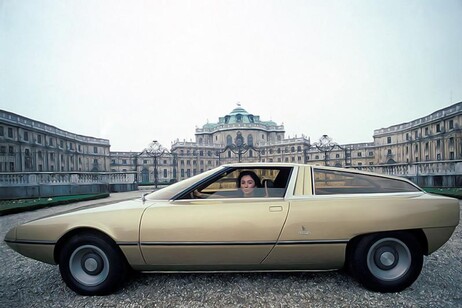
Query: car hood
{"points": [[119, 220]]}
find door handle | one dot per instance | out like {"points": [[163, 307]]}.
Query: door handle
{"points": [[275, 208]]}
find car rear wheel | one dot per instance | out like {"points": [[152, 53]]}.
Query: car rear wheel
{"points": [[92, 265], [388, 262]]}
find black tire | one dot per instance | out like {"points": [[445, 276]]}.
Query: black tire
{"points": [[92, 265], [386, 262]]}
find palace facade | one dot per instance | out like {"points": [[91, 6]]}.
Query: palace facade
{"points": [[426, 150], [27, 145]]}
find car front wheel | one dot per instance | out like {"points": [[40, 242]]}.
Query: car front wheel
{"points": [[388, 262], [92, 265]]}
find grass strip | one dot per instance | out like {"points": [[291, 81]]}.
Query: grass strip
{"points": [[449, 192], [22, 205]]}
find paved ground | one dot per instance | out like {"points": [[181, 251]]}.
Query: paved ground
{"points": [[28, 283]]}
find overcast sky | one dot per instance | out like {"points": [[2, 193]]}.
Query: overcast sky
{"points": [[135, 71]]}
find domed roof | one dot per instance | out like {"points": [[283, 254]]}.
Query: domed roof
{"points": [[239, 116], [238, 110]]}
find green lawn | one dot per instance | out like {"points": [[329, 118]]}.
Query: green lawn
{"points": [[21, 205], [450, 192]]}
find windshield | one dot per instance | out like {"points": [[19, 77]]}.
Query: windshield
{"points": [[169, 192]]}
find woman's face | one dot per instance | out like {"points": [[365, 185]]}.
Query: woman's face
{"points": [[247, 185]]}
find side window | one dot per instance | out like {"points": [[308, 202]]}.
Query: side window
{"points": [[264, 182], [328, 182]]}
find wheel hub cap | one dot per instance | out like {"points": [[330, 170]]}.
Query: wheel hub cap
{"points": [[92, 264], [386, 257]]}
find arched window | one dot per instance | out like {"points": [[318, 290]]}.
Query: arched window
{"points": [[229, 140], [250, 140], [200, 140], [250, 153]]}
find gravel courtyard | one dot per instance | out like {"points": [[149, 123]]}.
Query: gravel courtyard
{"points": [[28, 283]]}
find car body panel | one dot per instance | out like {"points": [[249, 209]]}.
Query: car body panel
{"points": [[119, 221], [212, 230]]}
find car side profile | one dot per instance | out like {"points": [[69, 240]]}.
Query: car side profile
{"points": [[250, 217]]}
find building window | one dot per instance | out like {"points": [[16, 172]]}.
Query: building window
{"points": [[124, 161], [451, 141], [145, 161], [52, 156], [389, 152], [338, 155], [250, 140], [426, 131], [50, 141], [371, 153], [316, 157], [10, 132], [451, 155], [407, 136], [438, 128], [451, 124], [250, 153], [95, 150], [10, 150], [438, 156], [39, 139], [26, 136], [438, 143], [112, 161], [165, 173], [61, 143], [388, 139], [2, 150], [229, 140], [2, 132], [360, 154]]}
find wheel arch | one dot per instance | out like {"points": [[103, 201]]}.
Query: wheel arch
{"points": [[417, 233], [81, 231]]}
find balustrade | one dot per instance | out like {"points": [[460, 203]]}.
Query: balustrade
{"points": [[55, 178]]}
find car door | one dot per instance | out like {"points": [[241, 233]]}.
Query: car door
{"points": [[210, 233]]}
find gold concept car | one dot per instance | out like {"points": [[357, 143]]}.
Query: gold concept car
{"points": [[283, 217]]}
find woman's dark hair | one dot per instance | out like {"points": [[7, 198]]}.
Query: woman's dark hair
{"points": [[252, 174]]}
